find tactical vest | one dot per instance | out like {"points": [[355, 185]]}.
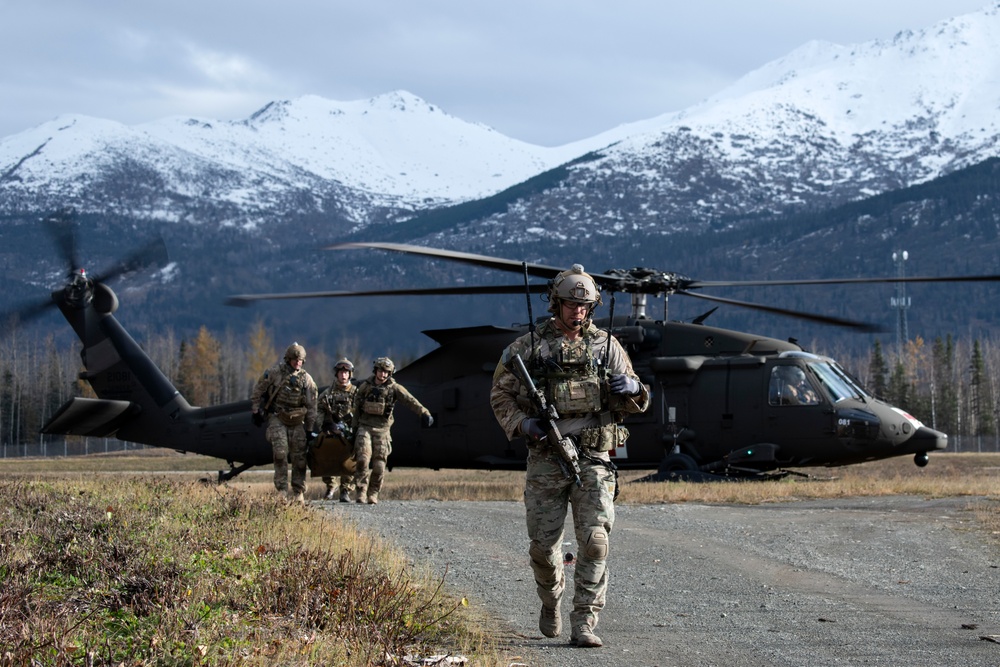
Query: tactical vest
{"points": [[570, 377], [338, 403], [291, 392], [379, 400]]}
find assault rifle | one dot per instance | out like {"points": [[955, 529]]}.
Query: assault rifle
{"points": [[569, 460], [259, 418]]}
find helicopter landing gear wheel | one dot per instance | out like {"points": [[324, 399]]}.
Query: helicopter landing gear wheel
{"points": [[921, 459], [674, 463]]}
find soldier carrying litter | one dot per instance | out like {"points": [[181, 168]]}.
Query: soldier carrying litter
{"points": [[373, 405], [587, 379], [285, 395], [336, 405]]}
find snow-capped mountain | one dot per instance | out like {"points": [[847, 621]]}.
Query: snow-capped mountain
{"points": [[243, 205], [824, 125], [290, 157]]}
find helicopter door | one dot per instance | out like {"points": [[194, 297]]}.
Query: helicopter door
{"points": [[797, 416]]}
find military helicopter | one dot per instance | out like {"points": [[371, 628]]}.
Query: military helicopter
{"points": [[713, 411], [135, 401], [725, 403]]}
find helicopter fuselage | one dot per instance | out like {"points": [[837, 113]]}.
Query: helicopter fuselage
{"points": [[715, 403]]}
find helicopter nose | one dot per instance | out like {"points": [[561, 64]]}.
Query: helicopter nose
{"points": [[927, 440]]}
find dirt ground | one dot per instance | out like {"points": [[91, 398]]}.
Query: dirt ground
{"points": [[855, 581]]}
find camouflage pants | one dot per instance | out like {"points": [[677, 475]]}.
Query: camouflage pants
{"points": [[372, 447], [288, 444], [346, 483], [547, 494]]}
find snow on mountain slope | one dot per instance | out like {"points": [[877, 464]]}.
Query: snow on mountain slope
{"points": [[394, 150], [930, 87], [825, 124]]}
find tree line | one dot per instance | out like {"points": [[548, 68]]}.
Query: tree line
{"points": [[39, 375], [950, 384]]}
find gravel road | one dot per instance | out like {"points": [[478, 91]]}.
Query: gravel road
{"points": [[858, 581]]}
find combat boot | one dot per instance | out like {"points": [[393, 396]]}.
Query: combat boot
{"points": [[550, 621], [345, 496], [373, 499], [329, 493], [584, 637], [297, 497]]}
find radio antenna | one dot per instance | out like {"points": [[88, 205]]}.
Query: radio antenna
{"points": [[527, 298]]}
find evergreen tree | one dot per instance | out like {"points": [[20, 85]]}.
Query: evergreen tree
{"points": [[919, 372], [897, 392], [982, 401], [878, 370], [944, 387]]}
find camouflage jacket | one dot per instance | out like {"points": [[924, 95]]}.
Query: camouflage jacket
{"points": [[509, 398], [294, 389], [373, 404]]}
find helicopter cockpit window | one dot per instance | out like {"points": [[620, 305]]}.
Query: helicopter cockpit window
{"points": [[789, 386], [837, 382]]}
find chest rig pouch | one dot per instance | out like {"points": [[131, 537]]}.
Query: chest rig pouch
{"points": [[378, 401], [290, 401], [574, 389], [340, 405]]}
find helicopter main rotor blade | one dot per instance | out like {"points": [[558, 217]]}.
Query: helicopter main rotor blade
{"points": [[693, 284], [812, 317], [152, 254], [537, 270], [62, 229], [247, 299]]}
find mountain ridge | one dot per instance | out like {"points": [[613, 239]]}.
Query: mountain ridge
{"points": [[806, 135]]}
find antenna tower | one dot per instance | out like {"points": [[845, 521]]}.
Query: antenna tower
{"points": [[900, 302]]}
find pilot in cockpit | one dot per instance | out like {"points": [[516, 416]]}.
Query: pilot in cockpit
{"points": [[789, 386]]}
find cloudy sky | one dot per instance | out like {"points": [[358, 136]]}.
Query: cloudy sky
{"points": [[543, 71]]}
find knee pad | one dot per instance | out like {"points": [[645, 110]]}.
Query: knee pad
{"points": [[597, 543], [541, 555]]}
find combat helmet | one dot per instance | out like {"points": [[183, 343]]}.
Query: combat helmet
{"points": [[295, 351], [792, 375], [576, 286], [385, 364], [344, 363]]}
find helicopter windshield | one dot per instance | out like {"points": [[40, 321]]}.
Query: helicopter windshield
{"points": [[836, 381]]}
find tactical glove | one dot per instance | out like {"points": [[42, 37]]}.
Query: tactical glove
{"points": [[623, 384], [257, 418], [427, 420], [532, 428]]}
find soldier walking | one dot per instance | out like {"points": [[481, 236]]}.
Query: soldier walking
{"points": [[373, 405], [589, 379], [286, 396], [336, 405]]}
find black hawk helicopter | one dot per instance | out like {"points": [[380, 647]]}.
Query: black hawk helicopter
{"points": [[725, 403], [719, 396]]}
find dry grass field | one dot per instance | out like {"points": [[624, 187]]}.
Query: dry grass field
{"points": [[115, 559], [946, 475]]}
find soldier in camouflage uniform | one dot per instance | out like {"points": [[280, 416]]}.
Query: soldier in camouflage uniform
{"points": [[336, 409], [286, 395], [590, 381], [373, 405]]}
